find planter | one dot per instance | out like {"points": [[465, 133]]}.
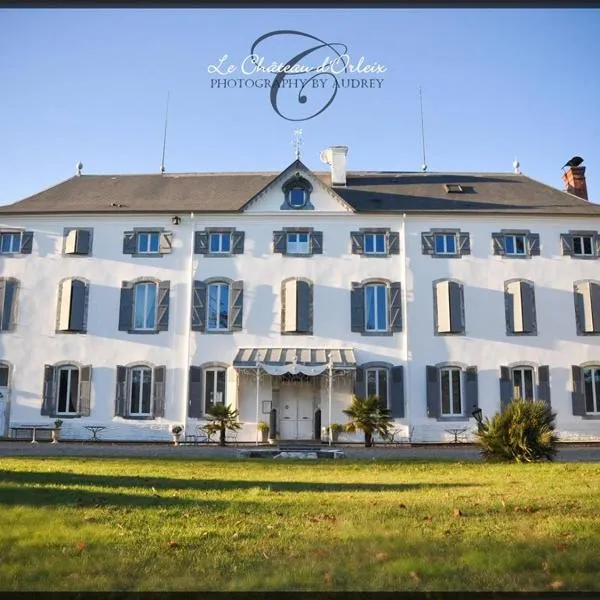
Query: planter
{"points": [[54, 436], [175, 439], [264, 436]]}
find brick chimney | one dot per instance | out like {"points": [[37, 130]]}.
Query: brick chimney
{"points": [[574, 178]]}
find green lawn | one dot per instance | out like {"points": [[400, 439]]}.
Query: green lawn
{"points": [[135, 524]]}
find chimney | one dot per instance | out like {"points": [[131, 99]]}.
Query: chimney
{"points": [[574, 178], [335, 156]]}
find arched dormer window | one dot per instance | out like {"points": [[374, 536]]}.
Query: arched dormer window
{"points": [[297, 194]]}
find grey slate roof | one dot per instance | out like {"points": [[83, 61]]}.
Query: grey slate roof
{"points": [[364, 191], [342, 358]]}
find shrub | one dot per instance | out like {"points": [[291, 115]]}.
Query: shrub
{"points": [[221, 418], [369, 416], [262, 426], [524, 432], [176, 429]]}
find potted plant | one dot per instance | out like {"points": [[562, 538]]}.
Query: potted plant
{"points": [[223, 418], [176, 431], [336, 429], [264, 431], [57, 425]]}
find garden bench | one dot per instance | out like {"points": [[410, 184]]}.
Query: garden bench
{"points": [[31, 432]]}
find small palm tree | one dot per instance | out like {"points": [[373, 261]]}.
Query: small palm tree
{"points": [[369, 416], [222, 418]]}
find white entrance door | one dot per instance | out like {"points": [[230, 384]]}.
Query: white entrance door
{"points": [[296, 407], [3, 411]]}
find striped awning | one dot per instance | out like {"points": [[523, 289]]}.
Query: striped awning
{"points": [[247, 358]]}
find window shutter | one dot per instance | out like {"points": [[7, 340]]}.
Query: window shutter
{"points": [[279, 242], [303, 307], [393, 242], [396, 306], [48, 399], [509, 308], [83, 241], [579, 299], [498, 244], [397, 392], [199, 306], [316, 242], [471, 390], [237, 242], [506, 391], [201, 242], [427, 246], [236, 314], [2, 303], [195, 393], [9, 292], [85, 390], [360, 385], [26, 242], [159, 377], [357, 307], [166, 242], [71, 242], [433, 392], [63, 307], [596, 247], [528, 307], [358, 242], [544, 384], [457, 317], [283, 296], [78, 294], [595, 301], [129, 242], [566, 244], [121, 392], [126, 306], [162, 315], [578, 394], [533, 244], [464, 244]]}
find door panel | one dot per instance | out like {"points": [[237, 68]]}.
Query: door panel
{"points": [[296, 406]]}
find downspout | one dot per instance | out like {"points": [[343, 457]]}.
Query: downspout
{"points": [[189, 317], [405, 313]]}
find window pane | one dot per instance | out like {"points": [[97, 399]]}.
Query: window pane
{"points": [[297, 197], [292, 237], [450, 244], [73, 391], [370, 307], [214, 242], [224, 307], [445, 379], [382, 387], [509, 244], [596, 404], [154, 237], [528, 376], [520, 244], [146, 390], [213, 296], [517, 383], [381, 307], [3, 376], [5, 243], [371, 382], [380, 243], [588, 390], [139, 306], [225, 242], [63, 390], [150, 306], [369, 244], [439, 244], [303, 237], [456, 403], [209, 388], [587, 246], [220, 395], [136, 386], [577, 246]]}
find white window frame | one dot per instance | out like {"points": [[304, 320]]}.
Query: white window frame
{"points": [[373, 237], [523, 369], [220, 285], [14, 235], [451, 370], [595, 397], [445, 237], [148, 236], [148, 285], [377, 371], [220, 235], [294, 245], [215, 371], [514, 237], [376, 286], [70, 369], [130, 371], [582, 237]]}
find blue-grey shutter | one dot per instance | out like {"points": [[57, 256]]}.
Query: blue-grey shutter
{"points": [[506, 388], [26, 242], [236, 314], [471, 390], [360, 384], [9, 302], [166, 242], [316, 242], [357, 307], [533, 244], [543, 391], [464, 244], [528, 307], [48, 397], [595, 302], [2, 304], [199, 306], [129, 242], [578, 297], [279, 242], [396, 306], [85, 390], [393, 242], [509, 310], [498, 244], [121, 392], [433, 392], [596, 245], [126, 306], [195, 393], [78, 305], [162, 314], [358, 242], [303, 307], [397, 392], [578, 394], [427, 246], [201, 242], [566, 244], [159, 378], [83, 240], [237, 242], [457, 319]]}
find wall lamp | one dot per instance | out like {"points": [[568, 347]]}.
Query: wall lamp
{"points": [[175, 220]]}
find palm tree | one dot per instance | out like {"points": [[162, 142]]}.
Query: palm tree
{"points": [[369, 416], [222, 417]]}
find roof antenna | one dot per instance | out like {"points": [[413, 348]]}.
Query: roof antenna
{"points": [[297, 142], [162, 164], [516, 165], [424, 165]]}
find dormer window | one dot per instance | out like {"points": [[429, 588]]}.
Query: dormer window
{"points": [[297, 194], [297, 197]]}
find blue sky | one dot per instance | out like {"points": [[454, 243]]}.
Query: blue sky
{"points": [[91, 85]]}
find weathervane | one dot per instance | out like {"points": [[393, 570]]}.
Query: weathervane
{"points": [[297, 142]]}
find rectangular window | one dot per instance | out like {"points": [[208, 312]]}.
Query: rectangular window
{"points": [[3, 377], [218, 307], [514, 245], [10, 243], [214, 390], [377, 384], [140, 391], [144, 314], [451, 392], [583, 245], [445, 243], [220, 243], [374, 243], [298, 243], [67, 390], [376, 308], [522, 380], [591, 386], [148, 242]]}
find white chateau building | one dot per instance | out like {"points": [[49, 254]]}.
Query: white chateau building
{"points": [[134, 302]]}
